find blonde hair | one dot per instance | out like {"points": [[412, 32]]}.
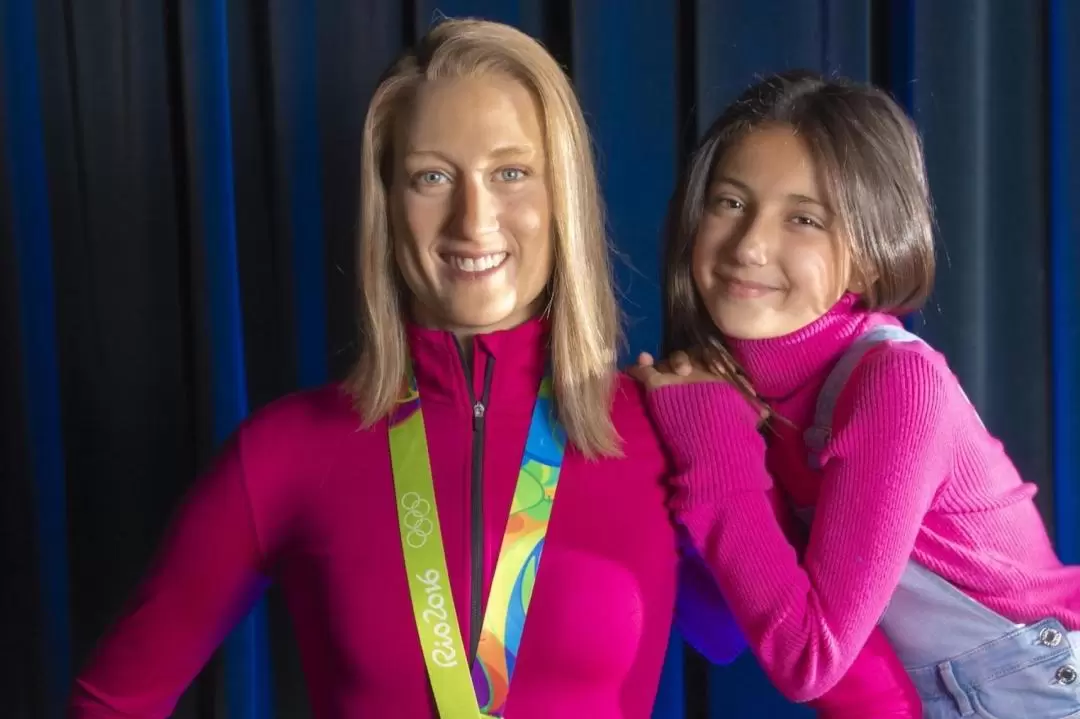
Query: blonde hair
{"points": [[585, 327]]}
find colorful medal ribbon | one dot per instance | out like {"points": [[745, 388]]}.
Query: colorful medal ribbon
{"points": [[482, 691]]}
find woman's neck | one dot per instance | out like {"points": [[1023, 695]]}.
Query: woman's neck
{"points": [[466, 345], [465, 334]]}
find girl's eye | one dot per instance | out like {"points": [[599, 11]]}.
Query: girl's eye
{"points": [[728, 203], [808, 221]]}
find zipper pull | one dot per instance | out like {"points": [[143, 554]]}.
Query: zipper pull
{"points": [[478, 415]]}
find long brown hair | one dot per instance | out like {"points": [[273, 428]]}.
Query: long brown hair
{"points": [[871, 156], [585, 323]]}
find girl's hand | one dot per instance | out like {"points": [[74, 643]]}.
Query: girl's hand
{"points": [[681, 369], [678, 369]]}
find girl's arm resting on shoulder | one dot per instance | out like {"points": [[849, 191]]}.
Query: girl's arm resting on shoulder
{"points": [[876, 677], [701, 614], [806, 624], [205, 578]]}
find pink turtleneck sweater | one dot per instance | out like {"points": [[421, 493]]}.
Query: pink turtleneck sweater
{"points": [[910, 472]]}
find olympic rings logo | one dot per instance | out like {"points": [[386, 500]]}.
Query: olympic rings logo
{"points": [[416, 519]]}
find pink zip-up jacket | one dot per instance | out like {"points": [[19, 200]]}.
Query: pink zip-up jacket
{"points": [[303, 496]]}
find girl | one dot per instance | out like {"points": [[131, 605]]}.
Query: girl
{"points": [[404, 513], [800, 233]]}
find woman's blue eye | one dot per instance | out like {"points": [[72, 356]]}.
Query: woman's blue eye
{"points": [[431, 177]]}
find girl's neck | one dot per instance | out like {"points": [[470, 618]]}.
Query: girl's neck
{"points": [[778, 366]]}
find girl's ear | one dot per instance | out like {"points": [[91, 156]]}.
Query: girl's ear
{"points": [[860, 281]]}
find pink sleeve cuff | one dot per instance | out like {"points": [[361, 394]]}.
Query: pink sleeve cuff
{"points": [[710, 429]]}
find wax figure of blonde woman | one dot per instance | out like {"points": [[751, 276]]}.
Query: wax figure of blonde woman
{"points": [[404, 512]]}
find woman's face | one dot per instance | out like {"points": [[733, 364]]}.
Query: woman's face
{"points": [[471, 218], [767, 257]]}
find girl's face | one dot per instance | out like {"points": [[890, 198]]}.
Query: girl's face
{"points": [[769, 257]]}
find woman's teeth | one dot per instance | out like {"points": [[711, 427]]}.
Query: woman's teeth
{"points": [[477, 264]]}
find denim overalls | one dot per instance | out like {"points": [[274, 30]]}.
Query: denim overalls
{"points": [[965, 659]]}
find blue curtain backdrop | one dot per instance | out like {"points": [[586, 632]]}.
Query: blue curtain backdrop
{"points": [[178, 193]]}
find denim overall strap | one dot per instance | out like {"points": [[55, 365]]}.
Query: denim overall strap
{"points": [[818, 435]]}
